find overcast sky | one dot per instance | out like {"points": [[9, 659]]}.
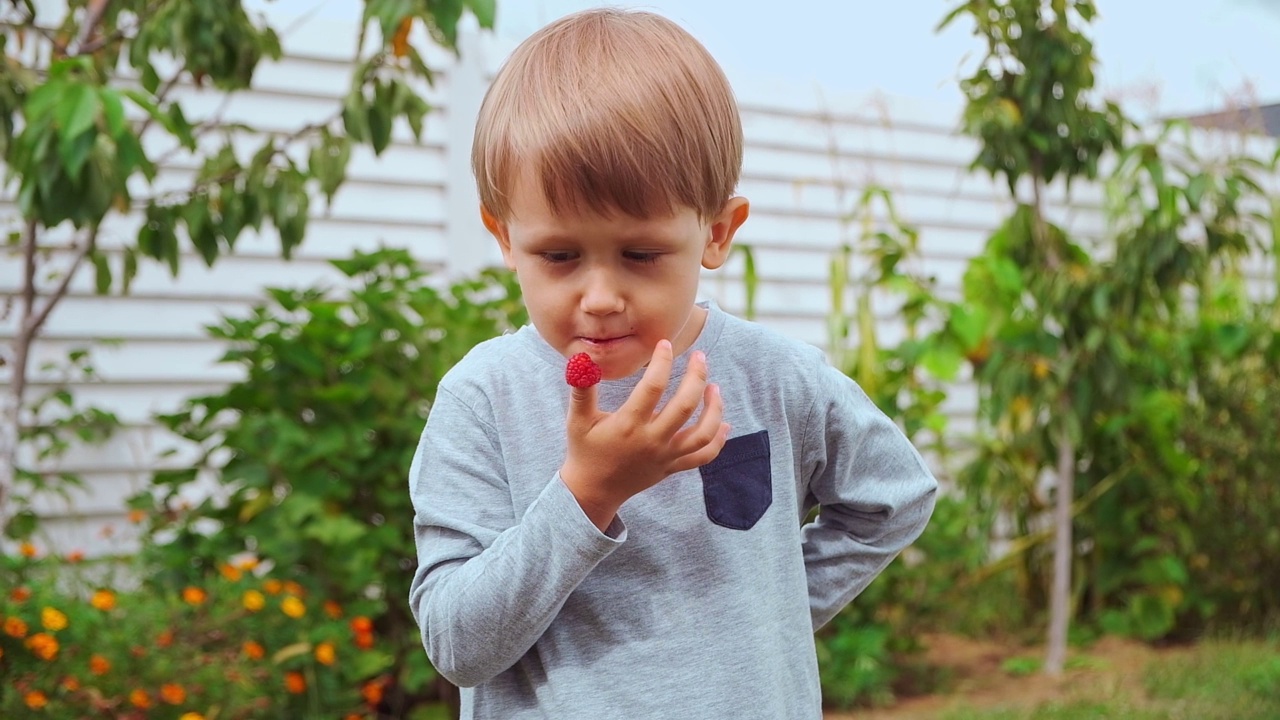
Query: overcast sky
{"points": [[1156, 57]]}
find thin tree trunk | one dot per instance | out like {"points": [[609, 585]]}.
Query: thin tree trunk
{"points": [[30, 321], [1060, 598], [1064, 482]]}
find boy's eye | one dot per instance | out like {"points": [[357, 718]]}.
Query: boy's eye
{"points": [[556, 257], [646, 258]]}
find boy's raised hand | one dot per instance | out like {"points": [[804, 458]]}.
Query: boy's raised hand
{"points": [[613, 456]]}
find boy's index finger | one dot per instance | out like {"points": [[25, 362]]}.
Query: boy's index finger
{"points": [[648, 393]]}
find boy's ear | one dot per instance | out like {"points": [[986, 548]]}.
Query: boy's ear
{"points": [[498, 229], [723, 227]]}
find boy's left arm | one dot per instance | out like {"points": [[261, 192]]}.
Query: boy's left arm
{"points": [[875, 493]]}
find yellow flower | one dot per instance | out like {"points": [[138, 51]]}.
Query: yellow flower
{"points": [[53, 620], [99, 665], [1040, 368], [293, 607], [194, 595], [103, 600], [254, 600], [325, 653], [230, 572], [44, 646], [173, 694], [27, 549], [35, 699], [15, 627]]}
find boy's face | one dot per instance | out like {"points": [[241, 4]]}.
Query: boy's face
{"points": [[612, 287]]}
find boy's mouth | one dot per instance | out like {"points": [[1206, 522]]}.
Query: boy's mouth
{"points": [[602, 342]]}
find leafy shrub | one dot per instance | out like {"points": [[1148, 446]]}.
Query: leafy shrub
{"points": [[309, 453], [869, 651], [243, 644]]}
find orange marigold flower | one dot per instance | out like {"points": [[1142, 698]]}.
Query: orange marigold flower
{"points": [[364, 641], [35, 699], [191, 716], [70, 684], [27, 549], [230, 572], [293, 607], [136, 516], [273, 586], [53, 620], [15, 627], [353, 716], [140, 699], [43, 646], [20, 594], [103, 600], [361, 624], [332, 609], [326, 654], [173, 693], [75, 556], [194, 596], [254, 650], [294, 682], [294, 588], [99, 665], [164, 639], [138, 651], [372, 692], [253, 601]]}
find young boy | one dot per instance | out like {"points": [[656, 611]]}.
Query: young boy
{"points": [[634, 549]]}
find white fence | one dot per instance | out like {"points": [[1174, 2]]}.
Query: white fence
{"points": [[806, 160]]}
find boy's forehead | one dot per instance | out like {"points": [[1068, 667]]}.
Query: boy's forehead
{"points": [[531, 206]]}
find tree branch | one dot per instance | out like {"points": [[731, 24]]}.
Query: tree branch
{"points": [[92, 17], [33, 323]]}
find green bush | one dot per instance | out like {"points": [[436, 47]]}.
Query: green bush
{"points": [[244, 644], [870, 651], [309, 453]]}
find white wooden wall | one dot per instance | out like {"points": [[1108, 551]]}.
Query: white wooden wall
{"points": [[807, 159]]}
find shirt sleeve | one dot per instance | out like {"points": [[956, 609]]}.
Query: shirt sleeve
{"points": [[488, 583], [874, 493]]}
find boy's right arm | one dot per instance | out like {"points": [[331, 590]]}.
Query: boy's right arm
{"points": [[488, 584]]}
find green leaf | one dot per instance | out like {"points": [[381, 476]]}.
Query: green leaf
{"points": [[102, 273], [486, 11], [77, 110], [130, 269], [942, 361], [112, 111]]}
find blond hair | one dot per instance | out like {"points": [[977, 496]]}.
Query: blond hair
{"points": [[612, 111]]}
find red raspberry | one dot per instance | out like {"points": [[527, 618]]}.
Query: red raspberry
{"points": [[582, 371]]}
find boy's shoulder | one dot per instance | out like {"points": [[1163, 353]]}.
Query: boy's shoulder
{"points": [[486, 362], [758, 346]]}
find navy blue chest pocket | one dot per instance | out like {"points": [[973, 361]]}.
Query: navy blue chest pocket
{"points": [[738, 485]]}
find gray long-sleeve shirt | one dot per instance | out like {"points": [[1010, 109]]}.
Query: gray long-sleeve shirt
{"points": [[701, 598]]}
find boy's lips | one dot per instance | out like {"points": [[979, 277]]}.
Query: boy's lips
{"points": [[603, 341]]}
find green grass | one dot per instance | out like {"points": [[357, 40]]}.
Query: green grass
{"points": [[1218, 681]]}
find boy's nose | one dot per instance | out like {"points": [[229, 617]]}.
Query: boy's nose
{"points": [[601, 295]]}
